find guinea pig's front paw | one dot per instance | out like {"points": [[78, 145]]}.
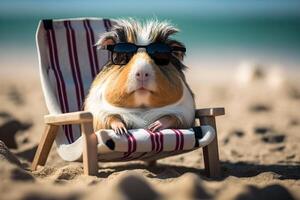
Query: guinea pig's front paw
{"points": [[164, 123], [119, 127]]}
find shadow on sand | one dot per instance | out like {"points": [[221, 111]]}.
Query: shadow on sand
{"points": [[9, 130], [241, 169]]}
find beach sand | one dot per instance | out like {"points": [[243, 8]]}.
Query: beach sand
{"points": [[259, 145]]}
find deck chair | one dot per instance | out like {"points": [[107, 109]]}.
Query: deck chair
{"points": [[68, 62]]}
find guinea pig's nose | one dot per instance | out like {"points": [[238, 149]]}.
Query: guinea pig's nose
{"points": [[142, 76]]}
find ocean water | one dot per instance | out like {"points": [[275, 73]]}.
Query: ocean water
{"points": [[214, 35]]}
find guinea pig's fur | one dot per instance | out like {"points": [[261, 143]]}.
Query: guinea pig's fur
{"points": [[115, 91]]}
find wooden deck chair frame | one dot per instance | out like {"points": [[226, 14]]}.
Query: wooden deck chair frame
{"points": [[90, 162], [85, 119]]}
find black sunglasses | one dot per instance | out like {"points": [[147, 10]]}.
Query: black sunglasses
{"points": [[159, 52]]}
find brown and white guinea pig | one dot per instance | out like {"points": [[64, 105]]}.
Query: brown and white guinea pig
{"points": [[141, 93]]}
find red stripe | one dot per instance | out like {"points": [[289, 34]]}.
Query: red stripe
{"points": [[58, 71], [64, 95], [94, 48], [161, 141], [78, 73], [177, 140], [152, 140], [77, 67], [126, 154], [72, 62], [182, 139], [61, 88], [73, 57], [68, 128], [88, 41], [157, 141], [133, 142]]}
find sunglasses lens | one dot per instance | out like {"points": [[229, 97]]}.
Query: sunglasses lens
{"points": [[121, 58], [122, 53], [160, 53], [124, 48]]}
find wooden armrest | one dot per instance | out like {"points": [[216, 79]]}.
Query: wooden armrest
{"points": [[209, 112], [69, 118]]}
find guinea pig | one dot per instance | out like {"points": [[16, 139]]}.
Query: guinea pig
{"points": [[143, 84]]}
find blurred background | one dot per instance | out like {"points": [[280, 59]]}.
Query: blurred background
{"points": [[218, 35]]}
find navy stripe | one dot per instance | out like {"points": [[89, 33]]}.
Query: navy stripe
{"points": [[88, 41], [71, 60], [77, 67], [74, 63], [64, 93], [94, 48], [105, 25], [106, 29], [68, 128], [109, 24], [61, 88]]}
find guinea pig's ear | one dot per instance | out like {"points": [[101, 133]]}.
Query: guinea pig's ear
{"points": [[105, 40], [178, 54]]}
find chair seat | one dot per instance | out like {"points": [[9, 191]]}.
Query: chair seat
{"points": [[142, 144]]}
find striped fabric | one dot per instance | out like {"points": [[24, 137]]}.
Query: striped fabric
{"points": [[73, 62], [144, 144], [69, 61]]}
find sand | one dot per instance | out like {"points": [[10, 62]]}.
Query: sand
{"points": [[259, 145]]}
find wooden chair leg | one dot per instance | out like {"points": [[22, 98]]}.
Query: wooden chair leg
{"points": [[211, 152], [89, 157], [44, 146]]}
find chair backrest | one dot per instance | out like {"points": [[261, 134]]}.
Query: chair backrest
{"points": [[69, 61]]}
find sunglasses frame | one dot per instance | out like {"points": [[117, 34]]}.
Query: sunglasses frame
{"points": [[112, 46]]}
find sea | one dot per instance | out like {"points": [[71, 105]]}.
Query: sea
{"points": [[267, 33]]}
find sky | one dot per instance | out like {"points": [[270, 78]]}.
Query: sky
{"points": [[138, 7]]}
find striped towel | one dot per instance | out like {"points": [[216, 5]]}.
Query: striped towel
{"points": [[141, 143]]}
